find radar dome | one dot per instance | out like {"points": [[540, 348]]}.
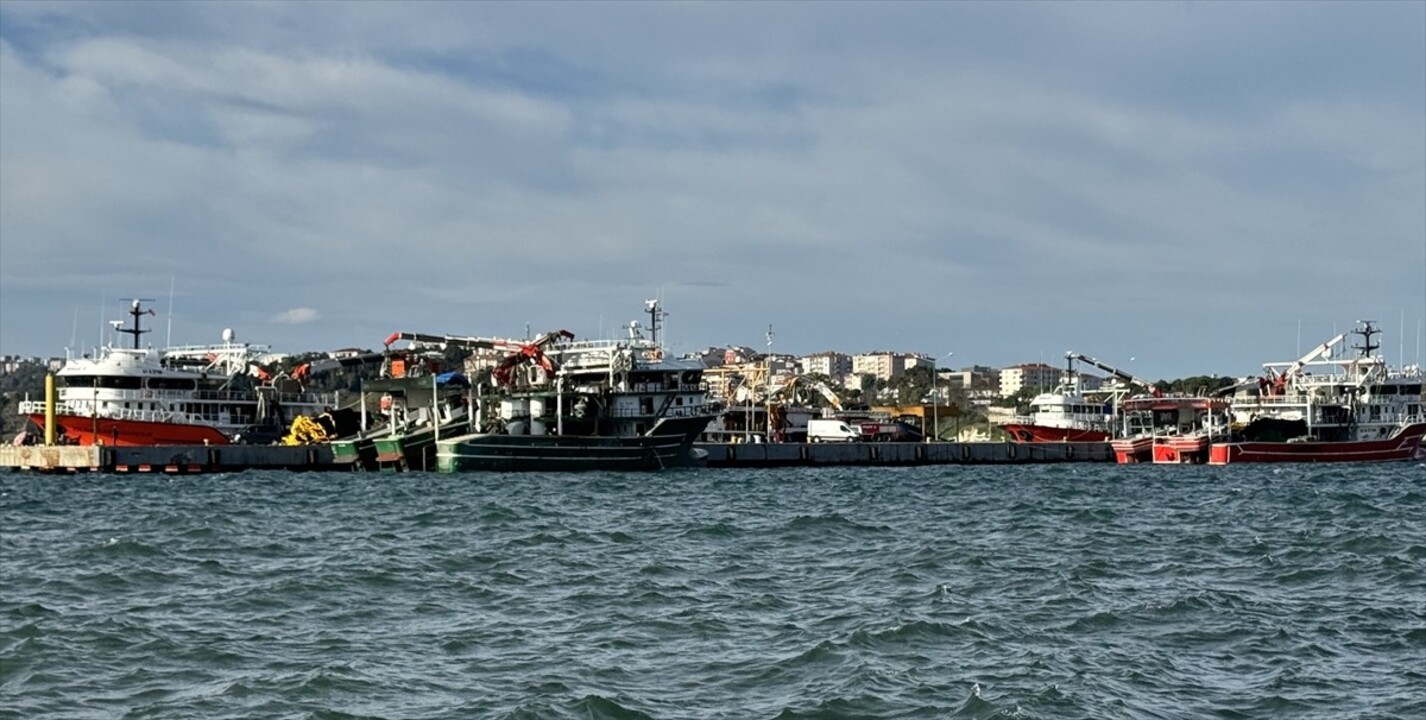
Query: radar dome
{"points": [[228, 335]]}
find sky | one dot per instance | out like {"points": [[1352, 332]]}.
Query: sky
{"points": [[1175, 188]]}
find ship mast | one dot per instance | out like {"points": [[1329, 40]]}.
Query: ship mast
{"points": [[656, 314], [1367, 330], [136, 310]]}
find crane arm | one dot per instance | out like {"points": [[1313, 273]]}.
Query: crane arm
{"points": [[832, 398], [1116, 372], [1311, 355], [306, 370], [443, 340], [533, 352]]}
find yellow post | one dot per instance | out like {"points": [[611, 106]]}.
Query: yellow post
{"points": [[49, 409]]}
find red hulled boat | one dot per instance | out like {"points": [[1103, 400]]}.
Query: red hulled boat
{"points": [[1322, 409], [187, 395]]}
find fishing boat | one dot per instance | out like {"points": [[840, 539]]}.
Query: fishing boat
{"points": [[1072, 413], [185, 395], [1169, 429], [1321, 408], [1064, 414], [416, 399], [556, 403]]}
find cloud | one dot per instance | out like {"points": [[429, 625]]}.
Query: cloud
{"points": [[1010, 177], [297, 316]]}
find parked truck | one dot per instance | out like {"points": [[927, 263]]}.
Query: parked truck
{"points": [[875, 427]]}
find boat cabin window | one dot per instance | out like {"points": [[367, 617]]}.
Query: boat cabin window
{"points": [[105, 381], [160, 383]]}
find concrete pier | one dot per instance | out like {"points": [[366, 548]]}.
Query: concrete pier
{"points": [[860, 453], [173, 459]]}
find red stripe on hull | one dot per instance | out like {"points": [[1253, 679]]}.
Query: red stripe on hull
{"points": [[108, 431], [1402, 446], [1040, 433]]}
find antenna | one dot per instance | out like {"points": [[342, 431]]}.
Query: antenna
{"points": [[770, 335], [168, 341], [656, 314]]}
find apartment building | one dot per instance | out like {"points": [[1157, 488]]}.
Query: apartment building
{"points": [[830, 363], [878, 364], [1033, 375]]}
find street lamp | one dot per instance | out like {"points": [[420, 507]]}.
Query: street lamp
{"points": [[936, 398]]}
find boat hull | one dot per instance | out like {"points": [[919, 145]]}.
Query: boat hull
{"points": [[1405, 444], [1132, 451], [668, 444], [82, 430], [1181, 451], [413, 451], [1026, 432], [359, 453]]}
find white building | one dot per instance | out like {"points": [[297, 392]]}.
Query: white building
{"points": [[1040, 376], [830, 363], [880, 365]]}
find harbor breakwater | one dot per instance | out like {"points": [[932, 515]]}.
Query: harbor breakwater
{"points": [[231, 458]]}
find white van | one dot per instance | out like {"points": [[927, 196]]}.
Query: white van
{"points": [[831, 430]]}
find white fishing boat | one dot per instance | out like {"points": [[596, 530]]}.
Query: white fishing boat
{"points": [[186, 395]]}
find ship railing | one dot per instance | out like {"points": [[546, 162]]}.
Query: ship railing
{"points": [[34, 407], [1279, 400], [244, 396], [250, 396], [84, 409], [676, 411], [689, 410]]}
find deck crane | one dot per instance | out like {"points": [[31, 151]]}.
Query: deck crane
{"points": [[517, 352], [1279, 380], [532, 352], [1116, 372]]}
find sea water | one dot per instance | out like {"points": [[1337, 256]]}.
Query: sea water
{"points": [[1052, 591]]}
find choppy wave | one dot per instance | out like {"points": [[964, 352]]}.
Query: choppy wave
{"points": [[976, 592]]}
